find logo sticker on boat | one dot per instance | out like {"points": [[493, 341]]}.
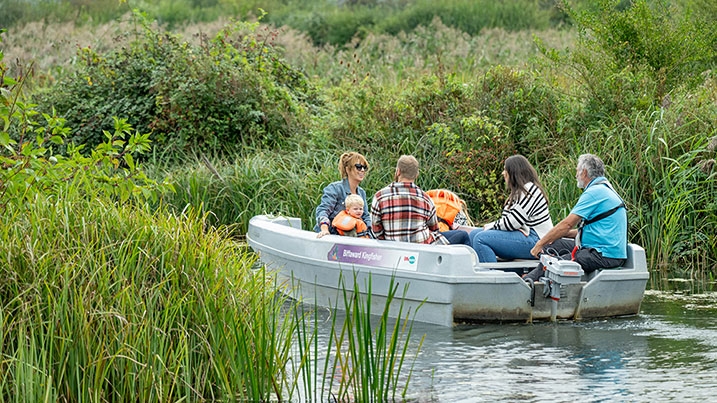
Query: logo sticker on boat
{"points": [[390, 259]]}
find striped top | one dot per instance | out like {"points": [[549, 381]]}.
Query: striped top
{"points": [[403, 212], [529, 212]]}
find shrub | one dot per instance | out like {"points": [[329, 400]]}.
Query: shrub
{"points": [[338, 28], [230, 92], [631, 57], [460, 132], [338, 23], [474, 149], [32, 165], [526, 106]]}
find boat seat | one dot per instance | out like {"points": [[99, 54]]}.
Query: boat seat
{"points": [[589, 276], [629, 264], [519, 261], [517, 266]]}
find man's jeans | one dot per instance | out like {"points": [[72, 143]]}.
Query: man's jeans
{"points": [[456, 237]]}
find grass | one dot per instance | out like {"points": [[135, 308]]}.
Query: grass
{"points": [[106, 302], [390, 59], [366, 356], [263, 183]]}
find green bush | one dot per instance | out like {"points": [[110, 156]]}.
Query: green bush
{"points": [[631, 57], [338, 27], [528, 108], [474, 152], [338, 23], [231, 92], [101, 89], [461, 132], [17, 12], [12, 11], [33, 161]]}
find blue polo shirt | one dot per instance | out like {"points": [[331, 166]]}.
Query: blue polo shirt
{"points": [[609, 235]]}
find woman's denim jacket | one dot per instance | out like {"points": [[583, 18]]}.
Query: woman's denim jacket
{"points": [[332, 202]]}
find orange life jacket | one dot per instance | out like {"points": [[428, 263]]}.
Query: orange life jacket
{"points": [[349, 226], [448, 204]]}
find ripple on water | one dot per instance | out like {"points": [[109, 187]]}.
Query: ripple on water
{"points": [[661, 354]]}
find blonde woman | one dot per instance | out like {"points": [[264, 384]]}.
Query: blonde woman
{"points": [[353, 168]]}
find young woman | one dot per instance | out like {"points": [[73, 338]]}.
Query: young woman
{"points": [[353, 168], [525, 218]]}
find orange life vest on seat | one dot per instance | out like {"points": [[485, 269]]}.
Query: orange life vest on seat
{"points": [[349, 226], [448, 205]]}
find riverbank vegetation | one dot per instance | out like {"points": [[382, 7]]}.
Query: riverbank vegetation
{"points": [[137, 146], [109, 294], [243, 111]]}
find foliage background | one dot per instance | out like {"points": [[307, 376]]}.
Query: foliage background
{"points": [[136, 145], [240, 112], [631, 82]]}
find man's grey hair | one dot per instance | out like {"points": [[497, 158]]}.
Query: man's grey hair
{"points": [[592, 164]]}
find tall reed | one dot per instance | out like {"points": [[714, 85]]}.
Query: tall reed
{"points": [[660, 164], [263, 183], [365, 356], [106, 302]]}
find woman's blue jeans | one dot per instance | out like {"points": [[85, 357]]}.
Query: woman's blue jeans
{"points": [[504, 244]]}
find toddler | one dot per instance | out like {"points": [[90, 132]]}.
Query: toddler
{"points": [[348, 222]]}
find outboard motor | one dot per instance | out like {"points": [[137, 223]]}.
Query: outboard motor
{"points": [[558, 272]]}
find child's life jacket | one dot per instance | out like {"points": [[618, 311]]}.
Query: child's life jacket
{"points": [[347, 225], [448, 205]]}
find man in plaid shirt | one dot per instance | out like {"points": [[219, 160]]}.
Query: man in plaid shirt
{"points": [[403, 212]]}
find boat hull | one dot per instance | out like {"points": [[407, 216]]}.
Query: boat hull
{"points": [[440, 284]]}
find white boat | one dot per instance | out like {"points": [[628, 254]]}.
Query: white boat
{"points": [[446, 283]]}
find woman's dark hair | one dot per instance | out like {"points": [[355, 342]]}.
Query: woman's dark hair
{"points": [[520, 172]]}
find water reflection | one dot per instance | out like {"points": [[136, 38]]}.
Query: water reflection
{"points": [[695, 283], [668, 352]]}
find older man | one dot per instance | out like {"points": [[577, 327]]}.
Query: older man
{"points": [[594, 234], [401, 211]]}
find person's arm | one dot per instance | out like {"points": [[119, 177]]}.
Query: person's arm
{"points": [[366, 216], [430, 208], [511, 218], [328, 201], [376, 224], [562, 229], [323, 230], [432, 221]]}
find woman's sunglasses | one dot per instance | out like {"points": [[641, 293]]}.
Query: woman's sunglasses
{"points": [[361, 167]]}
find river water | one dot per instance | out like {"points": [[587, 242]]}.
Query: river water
{"points": [[666, 353]]}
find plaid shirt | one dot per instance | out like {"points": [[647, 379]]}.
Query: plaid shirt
{"points": [[402, 212]]}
